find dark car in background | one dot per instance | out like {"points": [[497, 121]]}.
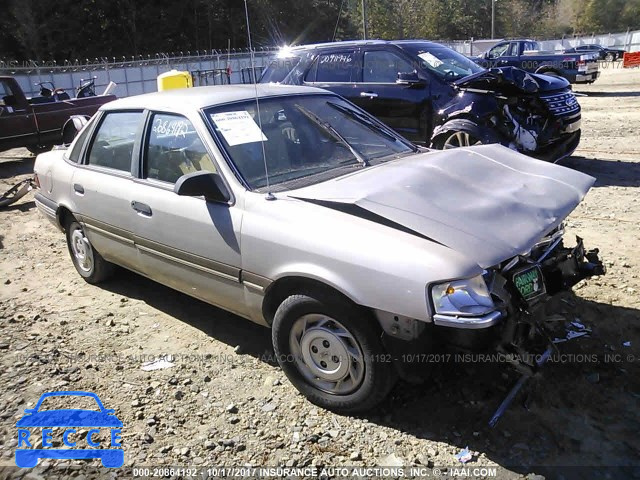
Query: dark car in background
{"points": [[437, 97], [580, 67], [604, 53]]}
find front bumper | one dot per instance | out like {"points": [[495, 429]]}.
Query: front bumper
{"points": [[468, 323], [518, 323], [559, 148], [587, 77]]}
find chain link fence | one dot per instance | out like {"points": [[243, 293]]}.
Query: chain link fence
{"points": [[137, 75]]}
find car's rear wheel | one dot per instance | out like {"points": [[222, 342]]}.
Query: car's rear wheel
{"points": [[88, 262], [331, 352], [609, 57]]}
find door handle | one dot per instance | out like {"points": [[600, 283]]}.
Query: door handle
{"points": [[142, 208], [79, 189], [368, 94]]}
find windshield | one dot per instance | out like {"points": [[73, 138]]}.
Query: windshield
{"points": [[443, 62], [279, 68], [305, 138]]}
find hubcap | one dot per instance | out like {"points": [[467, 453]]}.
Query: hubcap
{"points": [[460, 139], [327, 354], [82, 250]]}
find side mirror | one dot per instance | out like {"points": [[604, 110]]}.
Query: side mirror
{"points": [[9, 100], [206, 184], [409, 78]]}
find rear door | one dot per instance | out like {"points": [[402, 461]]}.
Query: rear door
{"points": [[187, 243], [398, 106], [337, 71], [17, 124], [102, 186]]}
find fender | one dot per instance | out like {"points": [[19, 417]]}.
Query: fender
{"points": [[486, 134]]}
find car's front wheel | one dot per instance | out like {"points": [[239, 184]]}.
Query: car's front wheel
{"points": [[88, 262], [457, 139], [332, 352]]}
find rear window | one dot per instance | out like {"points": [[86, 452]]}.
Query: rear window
{"points": [[112, 145], [333, 68]]}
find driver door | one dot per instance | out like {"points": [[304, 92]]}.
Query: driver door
{"points": [[187, 243], [398, 106]]}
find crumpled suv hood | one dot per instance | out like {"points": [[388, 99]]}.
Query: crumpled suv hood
{"points": [[487, 202], [512, 78]]}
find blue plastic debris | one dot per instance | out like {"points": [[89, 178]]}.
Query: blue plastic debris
{"points": [[464, 455]]}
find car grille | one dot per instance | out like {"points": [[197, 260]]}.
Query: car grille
{"points": [[561, 104]]}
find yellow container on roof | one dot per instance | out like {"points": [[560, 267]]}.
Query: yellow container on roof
{"points": [[174, 79]]}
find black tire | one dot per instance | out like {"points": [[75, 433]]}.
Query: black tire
{"points": [[376, 371], [14, 194], [38, 149], [609, 57], [95, 269]]}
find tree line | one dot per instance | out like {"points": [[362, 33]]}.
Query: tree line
{"points": [[65, 29]]}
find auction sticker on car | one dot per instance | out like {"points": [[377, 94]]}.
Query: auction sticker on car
{"points": [[238, 127], [529, 282]]}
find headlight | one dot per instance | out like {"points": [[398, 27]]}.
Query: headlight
{"points": [[468, 297]]}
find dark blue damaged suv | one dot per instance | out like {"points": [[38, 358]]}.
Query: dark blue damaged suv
{"points": [[437, 97]]}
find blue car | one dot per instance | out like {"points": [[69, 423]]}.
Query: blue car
{"points": [[69, 418]]}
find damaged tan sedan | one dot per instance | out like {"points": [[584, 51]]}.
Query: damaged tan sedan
{"points": [[297, 210]]}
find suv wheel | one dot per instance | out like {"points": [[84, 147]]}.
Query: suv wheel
{"points": [[457, 139], [332, 353], [88, 262]]}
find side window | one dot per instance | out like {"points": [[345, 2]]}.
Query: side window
{"points": [[335, 67], [513, 49], [383, 67], [498, 50], [112, 145], [174, 149], [74, 154], [7, 99]]}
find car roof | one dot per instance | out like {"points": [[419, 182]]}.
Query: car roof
{"points": [[189, 99], [362, 43]]}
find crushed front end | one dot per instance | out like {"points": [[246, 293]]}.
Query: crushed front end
{"points": [[534, 114], [520, 289]]}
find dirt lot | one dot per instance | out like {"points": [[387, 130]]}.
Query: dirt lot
{"points": [[225, 402]]}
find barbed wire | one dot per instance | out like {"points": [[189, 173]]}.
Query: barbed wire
{"points": [[105, 63]]}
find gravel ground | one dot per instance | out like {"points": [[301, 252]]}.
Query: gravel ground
{"points": [[225, 402]]}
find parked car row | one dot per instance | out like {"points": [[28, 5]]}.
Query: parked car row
{"points": [[575, 67]]}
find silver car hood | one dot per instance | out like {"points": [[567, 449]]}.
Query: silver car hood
{"points": [[487, 202]]}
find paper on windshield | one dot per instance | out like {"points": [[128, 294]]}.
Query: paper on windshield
{"points": [[238, 127], [432, 60]]}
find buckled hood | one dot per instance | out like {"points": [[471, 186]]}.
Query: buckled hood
{"points": [[487, 202], [512, 78]]}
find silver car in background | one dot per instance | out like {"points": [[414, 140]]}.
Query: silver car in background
{"points": [[303, 213]]}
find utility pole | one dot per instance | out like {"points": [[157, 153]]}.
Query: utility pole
{"points": [[493, 19], [364, 19]]}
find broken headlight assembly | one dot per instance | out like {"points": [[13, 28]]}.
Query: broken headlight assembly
{"points": [[465, 298]]}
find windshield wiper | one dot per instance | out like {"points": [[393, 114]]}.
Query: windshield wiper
{"points": [[373, 126], [333, 132]]}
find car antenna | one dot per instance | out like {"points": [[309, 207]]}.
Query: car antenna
{"points": [[269, 196]]}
